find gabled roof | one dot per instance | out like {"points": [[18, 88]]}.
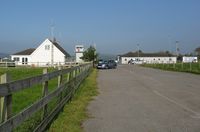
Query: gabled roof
{"points": [[31, 50], [25, 52], [60, 48], [141, 54]]}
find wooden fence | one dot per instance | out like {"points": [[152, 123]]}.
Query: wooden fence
{"points": [[7, 64], [63, 92]]}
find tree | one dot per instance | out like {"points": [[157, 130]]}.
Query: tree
{"points": [[90, 55]]}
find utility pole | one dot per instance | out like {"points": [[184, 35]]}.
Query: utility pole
{"points": [[138, 48], [177, 48], [52, 47]]}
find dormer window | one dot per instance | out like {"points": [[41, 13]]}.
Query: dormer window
{"points": [[47, 47]]}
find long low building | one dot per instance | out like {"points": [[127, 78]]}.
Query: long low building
{"points": [[189, 59], [150, 58]]}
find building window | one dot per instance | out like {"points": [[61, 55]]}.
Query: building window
{"points": [[24, 61], [16, 58], [47, 47], [125, 59]]}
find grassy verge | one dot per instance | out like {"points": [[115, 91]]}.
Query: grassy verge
{"points": [[180, 67], [75, 111]]}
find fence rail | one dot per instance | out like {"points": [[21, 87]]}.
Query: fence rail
{"points": [[7, 64], [39, 64], [184, 67], [7, 88]]}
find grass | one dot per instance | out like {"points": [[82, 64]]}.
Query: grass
{"points": [[180, 67], [26, 97], [75, 112]]}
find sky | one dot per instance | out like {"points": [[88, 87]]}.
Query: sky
{"points": [[115, 26]]}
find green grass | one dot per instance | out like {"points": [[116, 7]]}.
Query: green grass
{"points": [[75, 112], [180, 67], [25, 98]]}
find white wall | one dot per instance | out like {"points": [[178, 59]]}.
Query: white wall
{"points": [[78, 57], [20, 59], [42, 56], [149, 60], [79, 49], [188, 59]]}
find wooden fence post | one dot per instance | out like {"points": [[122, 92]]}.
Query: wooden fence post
{"points": [[79, 72], [44, 93], [60, 78], [74, 80], [182, 65], [76, 77], [174, 65], [199, 64], [6, 102], [70, 83]]}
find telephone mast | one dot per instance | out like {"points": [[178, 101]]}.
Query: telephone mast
{"points": [[138, 48], [177, 48], [52, 45]]}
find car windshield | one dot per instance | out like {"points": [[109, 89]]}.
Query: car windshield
{"points": [[100, 61], [105, 62]]}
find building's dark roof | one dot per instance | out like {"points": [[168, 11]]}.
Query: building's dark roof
{"points": [[141, 54], [60, 48], [25, 52]]}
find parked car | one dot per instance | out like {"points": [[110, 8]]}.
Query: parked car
{"points": [[102, 65], [112, 64]]}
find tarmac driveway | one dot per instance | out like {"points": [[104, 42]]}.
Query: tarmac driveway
{"points": [[138, 99]]}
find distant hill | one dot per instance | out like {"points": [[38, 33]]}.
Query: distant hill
{"points": [[3, 55]]}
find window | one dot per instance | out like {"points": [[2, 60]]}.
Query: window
{"points": [[22, 60], [16, 58], [47, 47], [25, 61], [125, 59]]}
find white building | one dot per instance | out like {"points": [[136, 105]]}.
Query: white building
{"points": [[150, 58], [79, 49], [47, 53], [188, 59]]}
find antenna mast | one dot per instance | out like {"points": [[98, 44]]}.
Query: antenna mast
{"points": [[52, 40], [138, 47], [177, 48]]}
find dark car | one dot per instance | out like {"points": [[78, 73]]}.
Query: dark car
{"points": [[102, 65], [112, 64]]}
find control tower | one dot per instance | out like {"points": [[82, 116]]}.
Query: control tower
{"points": [[79, 49]]}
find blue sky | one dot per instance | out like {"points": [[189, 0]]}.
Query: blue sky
{"points": [[116, 26]]}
